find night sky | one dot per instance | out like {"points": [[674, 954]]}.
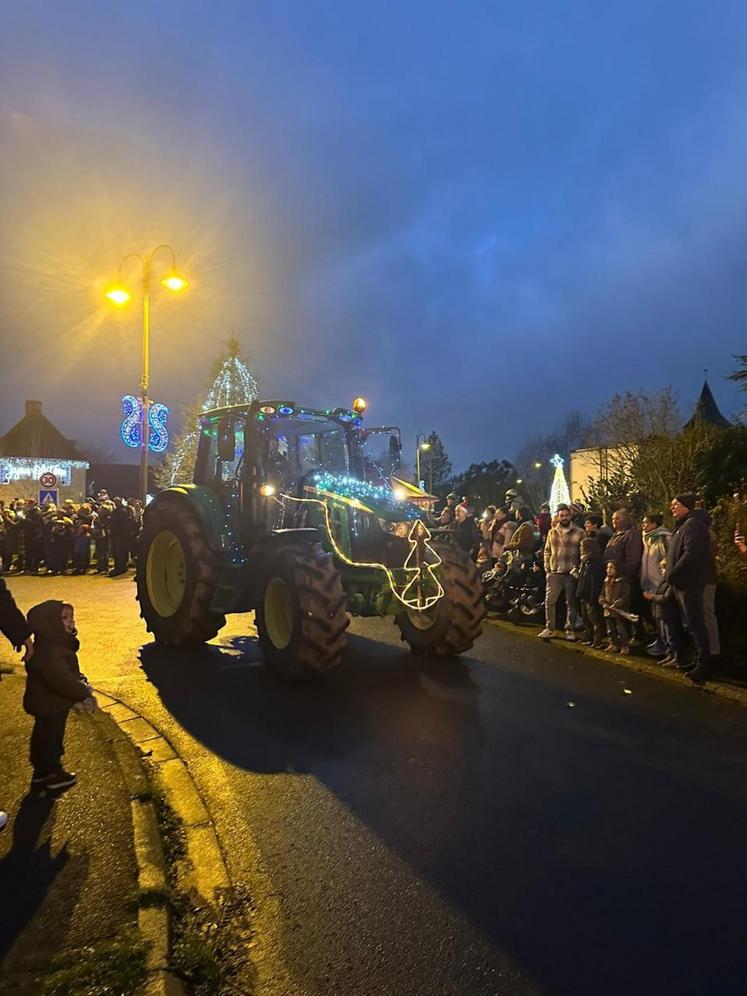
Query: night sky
{"points": [[479, 215]]}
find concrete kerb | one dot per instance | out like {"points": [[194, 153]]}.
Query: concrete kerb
{"points": [[137, 740], [154, 922], [630, 662]]}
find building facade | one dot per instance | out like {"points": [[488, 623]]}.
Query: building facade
{"points": [[37, 461]]}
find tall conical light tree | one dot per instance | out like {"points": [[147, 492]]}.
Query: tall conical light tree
{"points": [[559, 493], [232, 383]]}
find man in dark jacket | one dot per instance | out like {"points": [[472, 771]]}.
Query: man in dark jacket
{"points": [[54, 685], [16, 629], [120, 531], [690, 568]]}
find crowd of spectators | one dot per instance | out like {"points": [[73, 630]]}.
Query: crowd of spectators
{"points": [[620, 584], [97, 536]]}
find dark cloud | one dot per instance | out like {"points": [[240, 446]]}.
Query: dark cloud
{"points": [[479, 215]]}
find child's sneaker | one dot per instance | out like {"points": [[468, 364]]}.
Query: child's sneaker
{"points": [[3, 819], [546, 634], [60, 779]]}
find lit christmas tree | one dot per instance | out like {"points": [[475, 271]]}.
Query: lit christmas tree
{"points": [[559, 493], [232, 384]]}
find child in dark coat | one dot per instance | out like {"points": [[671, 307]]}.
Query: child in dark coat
{"points": [[590, 581], [54, 685], [616, 596]]}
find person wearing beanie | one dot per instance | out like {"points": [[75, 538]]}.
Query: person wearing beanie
{"points": [[691, 569]]}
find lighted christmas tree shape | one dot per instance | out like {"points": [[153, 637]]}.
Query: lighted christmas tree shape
{"points": [[559, 493], [423, 590], [232, 384]]}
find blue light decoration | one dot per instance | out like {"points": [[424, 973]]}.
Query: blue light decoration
{"points": [[130, 431], [133, 416], [364, 491]]}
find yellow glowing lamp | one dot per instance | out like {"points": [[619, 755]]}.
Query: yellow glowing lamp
{"points": [[118, 295], [174, 281], [425, 446], [360, 405], [267, 490]]}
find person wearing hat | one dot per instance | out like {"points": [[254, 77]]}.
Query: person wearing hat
{"points": [[691, 571], [447, 515]]}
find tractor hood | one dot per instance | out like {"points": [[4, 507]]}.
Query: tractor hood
{"points": [[379, 499]]}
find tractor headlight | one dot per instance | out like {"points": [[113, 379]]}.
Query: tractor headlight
{"points": [[396, 528]]}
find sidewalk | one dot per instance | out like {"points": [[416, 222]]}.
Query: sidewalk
{"points": [[68, 874], [637, 660]]}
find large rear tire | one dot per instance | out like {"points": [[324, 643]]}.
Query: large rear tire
{"points": [[177, 574], [301, 617], [455, 621]]}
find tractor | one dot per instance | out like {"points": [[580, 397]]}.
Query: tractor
{"points": [[292, 514]]}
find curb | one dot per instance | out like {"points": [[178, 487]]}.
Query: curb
{"points": [[154, 922], [632, 664], [205, 870]]}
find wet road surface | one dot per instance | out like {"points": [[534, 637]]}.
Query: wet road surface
{"points": [[509, 822]]}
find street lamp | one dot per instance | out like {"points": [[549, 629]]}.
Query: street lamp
{"points": [[119, 295], [424, 447]]}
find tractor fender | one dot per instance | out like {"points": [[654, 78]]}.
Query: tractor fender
{"points": [[211, 513]]}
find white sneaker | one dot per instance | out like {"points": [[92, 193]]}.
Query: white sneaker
{"points": [[3, 819], [570, 636], [546, 634]]}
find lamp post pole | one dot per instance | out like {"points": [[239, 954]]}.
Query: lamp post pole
{"points": [[120, 296], [418, 447], [145, 379]]}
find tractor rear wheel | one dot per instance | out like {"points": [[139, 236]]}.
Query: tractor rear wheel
{"points": [[301, 615], [455, 621], [177, 574]]}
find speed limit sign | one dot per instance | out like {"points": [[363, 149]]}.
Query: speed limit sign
{"points": [[48, 481]]}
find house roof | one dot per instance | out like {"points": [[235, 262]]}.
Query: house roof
{"points": [[35, 436], [706, 410]]}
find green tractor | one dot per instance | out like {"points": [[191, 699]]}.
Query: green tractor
{"points": [[292, 515]]}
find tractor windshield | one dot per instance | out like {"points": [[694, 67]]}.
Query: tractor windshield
{"points": [[294, 449]]}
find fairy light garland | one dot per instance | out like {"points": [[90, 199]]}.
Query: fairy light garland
{"points": [[417, 604], [364, 491]]}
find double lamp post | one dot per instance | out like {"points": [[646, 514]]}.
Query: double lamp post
{"points": [[119, 295]]}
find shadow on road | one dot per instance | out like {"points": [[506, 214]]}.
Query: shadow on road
{"points": [[601, 849], [28, 875]]}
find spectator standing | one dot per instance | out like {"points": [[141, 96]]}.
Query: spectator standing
{"points": [[524, 537], [656, 539], [54, 685], [740, 542], [32, 536], [562, 560], [119, 531], [16, 629], [590, 581], [464, 516], [543, 521], [594, 526], [447, 514], [690, 568], [614, 599]]}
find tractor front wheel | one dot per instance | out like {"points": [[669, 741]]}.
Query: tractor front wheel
{"points": [[176, 577], [301, 615], [453, 624]]}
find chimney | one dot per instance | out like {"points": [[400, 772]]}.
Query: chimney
{"points": [[33, 408]]}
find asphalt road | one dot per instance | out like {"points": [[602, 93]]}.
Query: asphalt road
{"points": [[510, 822]]}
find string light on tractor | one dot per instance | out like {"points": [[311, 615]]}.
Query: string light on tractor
{"points": [[418, 543], [364, 492]]}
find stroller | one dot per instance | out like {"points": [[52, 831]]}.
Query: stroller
{"points": [[515, 587]]}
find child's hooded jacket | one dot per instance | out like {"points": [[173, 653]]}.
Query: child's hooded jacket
{"points": [[53, 682]]}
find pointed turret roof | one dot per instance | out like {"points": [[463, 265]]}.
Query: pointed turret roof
{"points": [[706, 410], [35, 436]]}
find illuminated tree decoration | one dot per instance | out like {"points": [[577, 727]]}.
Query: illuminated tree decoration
{"points": [[424, 585], [233, 383], [130, 430], [559, 493]]}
